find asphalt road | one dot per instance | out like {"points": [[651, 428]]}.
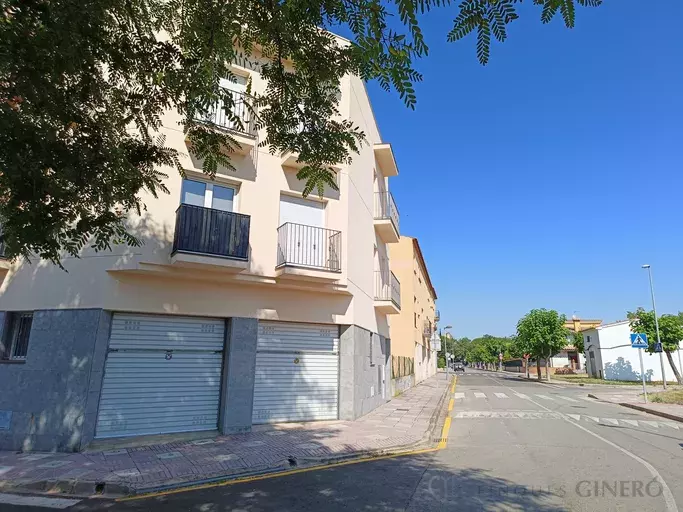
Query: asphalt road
{"points": [[513, 445]]}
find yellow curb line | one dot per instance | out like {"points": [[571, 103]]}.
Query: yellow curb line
{"points": [[442, 444]]}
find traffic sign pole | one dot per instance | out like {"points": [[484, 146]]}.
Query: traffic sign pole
{"points": [[642, 372]]}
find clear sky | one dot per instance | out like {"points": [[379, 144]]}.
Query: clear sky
{"points": [[546, 178]]}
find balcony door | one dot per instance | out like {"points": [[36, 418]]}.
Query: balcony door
{"points": [[305, 235], [211, 221], [208, 195]]}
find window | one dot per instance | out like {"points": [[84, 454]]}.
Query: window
{"points": [[14, 343], [415, 319], [208, 195]]}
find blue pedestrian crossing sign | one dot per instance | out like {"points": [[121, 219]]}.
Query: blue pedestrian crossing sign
{"points": [[639, 340]]}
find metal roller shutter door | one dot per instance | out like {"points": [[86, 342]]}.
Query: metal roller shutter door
{"points": [[297, 372], [163, 375]]}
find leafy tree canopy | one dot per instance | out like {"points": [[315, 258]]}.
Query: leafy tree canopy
{"points": [[542, 333], [84, 85]]}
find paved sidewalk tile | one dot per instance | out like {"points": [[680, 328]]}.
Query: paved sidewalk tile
{"points": [[402, 422]]}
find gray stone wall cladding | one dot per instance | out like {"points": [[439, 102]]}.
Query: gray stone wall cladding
{"points": [[53, 396], [363, 373], [239, 372], [401, 384]]}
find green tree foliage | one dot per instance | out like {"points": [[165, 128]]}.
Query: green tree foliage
{"points": [[670, 332], [542, 334], [577, 340], [84, 85]]}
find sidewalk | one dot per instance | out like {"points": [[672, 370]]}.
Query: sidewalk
{"points": [[632, 399], [404, 423]]}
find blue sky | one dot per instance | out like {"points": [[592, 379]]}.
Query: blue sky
{"points": [[546, 178]]}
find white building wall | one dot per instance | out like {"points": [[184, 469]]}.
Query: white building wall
{"points": [[616, 360]]}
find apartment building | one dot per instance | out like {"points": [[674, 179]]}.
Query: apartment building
{"points": [[413, 344], [247, 304]]}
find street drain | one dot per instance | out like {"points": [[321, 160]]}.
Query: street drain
{"points": [[292, 462], [99, 488], [403, 410]]}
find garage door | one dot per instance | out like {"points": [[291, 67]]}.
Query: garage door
{"points": [[297, 372], [163, 375]]}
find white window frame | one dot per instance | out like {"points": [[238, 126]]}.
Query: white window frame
{"points": [[208, 192]]}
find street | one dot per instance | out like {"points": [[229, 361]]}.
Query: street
{"points": [[513, 445]]}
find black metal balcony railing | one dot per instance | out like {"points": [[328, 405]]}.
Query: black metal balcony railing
{"points": [[308, 246], [215, 232], [387, 287], [385, 208], [241, 120]]}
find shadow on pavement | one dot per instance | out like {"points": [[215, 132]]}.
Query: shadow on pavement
{"points": [[413, 483]]}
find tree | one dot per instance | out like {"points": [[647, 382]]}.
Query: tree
{"points": [[577, 338], [542, 334], [670, 333], [84, 85]]}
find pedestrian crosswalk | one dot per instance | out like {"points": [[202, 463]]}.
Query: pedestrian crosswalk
{"points": [[535, 415], [502, 396]]}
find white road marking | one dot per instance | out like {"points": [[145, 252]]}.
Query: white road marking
{"points": [[575, 417], [459, 395], [633, 423], [652, 424], [525, 415], [568, 399], [479, 395], [596, 420], [611, 420], [543, 397], [37, 501], [500, 395], [522, 395], [666, 492], [669, 424]]}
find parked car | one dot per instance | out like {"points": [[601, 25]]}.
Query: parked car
{"points": [[459, 367]]}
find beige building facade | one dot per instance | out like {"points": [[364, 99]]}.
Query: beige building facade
{"points": [[247, 303], [412, 331]]}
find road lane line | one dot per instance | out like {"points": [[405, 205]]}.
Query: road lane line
{"points": [[479, 395], [652, 424], [666, 492], [450, 405], [500, 395], [611, 420], [459, 396], [544, 397], [633, 423], [575, 417], [567, 398], [522, 395], [37, 501]]}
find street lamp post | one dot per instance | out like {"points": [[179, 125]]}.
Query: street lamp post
{"points": [[448, 365], [654, 309]]}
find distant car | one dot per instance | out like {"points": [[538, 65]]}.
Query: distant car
{"points": [[459, 367]]}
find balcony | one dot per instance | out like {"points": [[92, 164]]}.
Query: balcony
{"points": [[386, 217], [204, 236], [427, 329], [385, 159], [240, 123], [308, 252], [387, 292]]}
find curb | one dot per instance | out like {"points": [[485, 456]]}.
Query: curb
{"points": [[313, 462], [654, 412], [641, 408], [114, 490]]}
